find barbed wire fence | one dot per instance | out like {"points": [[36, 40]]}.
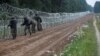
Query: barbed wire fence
{"points": [[49, 19]]}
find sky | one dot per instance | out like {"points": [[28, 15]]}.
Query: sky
{"points": [[91, 2]]}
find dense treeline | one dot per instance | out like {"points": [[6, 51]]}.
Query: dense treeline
{"points": [[97, 7], [50, 5]]}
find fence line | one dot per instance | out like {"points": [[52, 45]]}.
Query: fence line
{"points": [[49, 19]]}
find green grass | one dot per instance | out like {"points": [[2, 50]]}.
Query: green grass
{"points": [[83, 45]]}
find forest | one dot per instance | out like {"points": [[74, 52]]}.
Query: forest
{"points": [[52, 6], [97, 7]]}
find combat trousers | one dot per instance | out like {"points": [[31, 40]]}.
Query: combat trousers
{"points": [[14, 32], [27, 28], [39, 27]]}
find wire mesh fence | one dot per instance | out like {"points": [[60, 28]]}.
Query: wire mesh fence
{"points": [[49, 19]]}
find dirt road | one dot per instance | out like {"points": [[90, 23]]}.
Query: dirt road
{"points": [[97, 35], [51, 39]]}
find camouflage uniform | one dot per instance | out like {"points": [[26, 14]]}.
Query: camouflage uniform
{"points": [[39, 21], [13, 27], [27, 25], [33, 27]]}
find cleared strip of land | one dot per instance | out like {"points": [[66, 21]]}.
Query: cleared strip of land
{"points": [[38, 44]]}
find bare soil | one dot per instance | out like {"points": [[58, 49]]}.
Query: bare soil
{"points": [[51, 39]]}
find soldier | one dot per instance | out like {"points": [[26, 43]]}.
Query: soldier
{"points": [[27, 24], [13, 27], [33, 23], [39, 21]]}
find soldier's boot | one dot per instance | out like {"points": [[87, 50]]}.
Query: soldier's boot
{"points": [[33, 28], [33, 31], [14, 36], [13, 31], [25, 31], [39, 27], [29, 31]]}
